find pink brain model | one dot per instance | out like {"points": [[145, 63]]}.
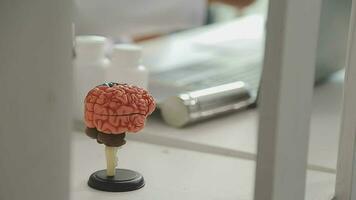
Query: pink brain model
{"points": [[114, 108]]}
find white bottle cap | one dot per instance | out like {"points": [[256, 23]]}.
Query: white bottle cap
{"points": [[128, 55], [91, 46]]}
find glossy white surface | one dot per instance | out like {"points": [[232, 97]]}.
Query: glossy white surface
{"points": [[176, 174]]}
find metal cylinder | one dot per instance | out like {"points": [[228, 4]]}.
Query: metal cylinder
{"points": [[194, 106]]}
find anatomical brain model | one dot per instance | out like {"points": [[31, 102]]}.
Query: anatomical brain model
{"points": [[112, 110]]}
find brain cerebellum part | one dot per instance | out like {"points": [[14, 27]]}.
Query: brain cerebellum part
{"points": [[117, 109], [112, 140]]}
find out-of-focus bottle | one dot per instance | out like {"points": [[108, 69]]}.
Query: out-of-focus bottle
{"points": [[126, 66], [90, 67]]}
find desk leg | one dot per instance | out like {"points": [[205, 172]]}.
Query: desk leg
{"points": [[345, 188], [286, 99]]}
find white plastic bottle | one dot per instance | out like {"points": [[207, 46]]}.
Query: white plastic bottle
{"points": [[90, 67], [126, 66]]}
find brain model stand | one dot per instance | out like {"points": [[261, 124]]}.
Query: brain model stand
{"points": [[111, 111]]}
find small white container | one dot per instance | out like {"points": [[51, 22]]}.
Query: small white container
{"points": [[90, 67], [126, 67]]}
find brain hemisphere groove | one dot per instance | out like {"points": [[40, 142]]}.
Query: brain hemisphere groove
{"points": [[118, 109]]}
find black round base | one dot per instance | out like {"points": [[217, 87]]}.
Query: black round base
{"points": [[125, 180]]}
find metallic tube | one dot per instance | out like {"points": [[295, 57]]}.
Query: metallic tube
{"points": [[195, 106]]}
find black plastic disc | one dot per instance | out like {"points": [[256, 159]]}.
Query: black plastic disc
{"points": [[124, 180]]}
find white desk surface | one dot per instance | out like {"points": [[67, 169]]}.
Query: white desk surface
{"points": [[236, 134], [176, 174], [210, 160], [213, 159]]}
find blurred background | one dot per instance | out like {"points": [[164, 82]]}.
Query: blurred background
{"points": [[202, 60], [180, 46]]}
